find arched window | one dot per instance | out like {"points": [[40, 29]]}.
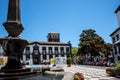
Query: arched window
{"points": [[36, 49]]}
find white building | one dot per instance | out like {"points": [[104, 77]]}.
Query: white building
{"points": [[116, 37], [41, 52]]}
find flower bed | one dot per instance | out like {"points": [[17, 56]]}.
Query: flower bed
{"points": [[78, 76]]}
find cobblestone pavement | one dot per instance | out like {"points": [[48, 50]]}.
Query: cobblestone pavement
{"points": [[90, 72]]}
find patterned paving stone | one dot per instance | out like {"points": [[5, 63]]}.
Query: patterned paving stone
{"points": [[94, 79], [106, 78], [90, 72]]}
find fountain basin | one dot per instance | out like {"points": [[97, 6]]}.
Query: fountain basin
{"points": [[33, 66], [16, 74], [13, 48], [41, 77]]}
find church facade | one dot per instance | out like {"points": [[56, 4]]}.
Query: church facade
{"points": [[42, 52]]}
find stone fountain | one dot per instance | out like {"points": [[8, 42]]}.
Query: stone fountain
{"points": [[13, 45]]}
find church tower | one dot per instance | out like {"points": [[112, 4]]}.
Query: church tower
{"points": [[53, 37]]}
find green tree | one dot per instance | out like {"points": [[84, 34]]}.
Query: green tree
{"points": [[74, 53], [109, 49], [90, 42]]}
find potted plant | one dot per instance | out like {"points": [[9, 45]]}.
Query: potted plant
{"points": [[78, 76], [69, 61], [52, 61], [110, 71], [115, 70]]}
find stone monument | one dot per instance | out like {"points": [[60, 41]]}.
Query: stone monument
{"points": [[13, 24], [13, 45]]}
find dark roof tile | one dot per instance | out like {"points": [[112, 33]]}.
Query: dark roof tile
{"points": [[118, 9]]}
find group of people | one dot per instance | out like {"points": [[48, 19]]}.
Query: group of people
{"points": [[100, 60], [27, 62]]}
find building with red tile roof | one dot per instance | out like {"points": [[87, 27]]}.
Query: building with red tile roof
{"points": [[42, 52]]}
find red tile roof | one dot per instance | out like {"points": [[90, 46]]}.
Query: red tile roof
{"points": [[49, 43]]}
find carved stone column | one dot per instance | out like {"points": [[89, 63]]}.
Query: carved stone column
{"points": [[13, 24]]}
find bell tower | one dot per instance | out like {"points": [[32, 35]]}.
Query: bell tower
{"points": [[53, 37]]}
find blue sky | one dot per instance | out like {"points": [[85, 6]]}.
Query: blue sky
{"points": [[67, 17]]}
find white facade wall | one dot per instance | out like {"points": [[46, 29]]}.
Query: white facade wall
{"points": [[31, 48], [47, 51], [114, 44], [114, 36], [24, 57], [30, 56], [41, 56], [47, 48], [118, 17], [1, 50], [53, 48]]}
